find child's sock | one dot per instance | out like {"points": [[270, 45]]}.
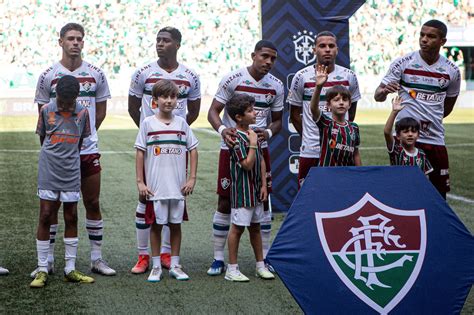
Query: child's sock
{"points": [[70, 253], [156, 261], [42, 248], [174, 261]]}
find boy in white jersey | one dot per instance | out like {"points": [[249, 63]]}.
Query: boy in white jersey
{"points": [[301, 90], [429, 85], [162, 144], [62, 126], [93, 95], [268, 92], [140, 106]]}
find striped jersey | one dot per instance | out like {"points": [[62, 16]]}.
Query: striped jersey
{"points": [[399, 156], [338, 141], [268, 94], [301, 90], [144, 78], [423, 91], [245, 185], [165, 147], [94, 89]]}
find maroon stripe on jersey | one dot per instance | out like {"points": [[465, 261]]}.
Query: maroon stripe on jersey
{"points": [[250, 89], [427, 73], [178, 82], [327, 84], [168, 132], [81, 80], [323, 144], [343, 160]]}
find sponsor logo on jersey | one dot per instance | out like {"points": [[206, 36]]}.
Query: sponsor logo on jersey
{"points": [[427, 97], [304, 44], [344, 147], [84, 102], [377, 251], [266, 85], [416, 66], [247, 82], [83, 74], [51, 118], [338, 78]]}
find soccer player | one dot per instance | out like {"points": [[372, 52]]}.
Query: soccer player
{"points": [[402, 150], [140, 106], [301, 90], [339, 138], [63, 123], [268, 92], [248, 187], [93, 95], [162, 145], [429, 85]]}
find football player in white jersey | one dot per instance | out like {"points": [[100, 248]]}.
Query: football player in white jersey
{"points": [[299, 97], [140, 106], [268, 92], [94, 92], [428, 85]]}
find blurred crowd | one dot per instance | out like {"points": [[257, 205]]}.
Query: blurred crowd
{"points": [[218, 36]]}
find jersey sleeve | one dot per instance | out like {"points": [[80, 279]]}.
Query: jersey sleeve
{"points": [[140, 142], [278, 103], [137, 84], [225, 90], [455, 84], [195, 92], [238, 152], [102, 91], [41, 126], [394, 73], [394, 153], [354, 88], [323, 121], [43, 88], [191, 141], [295, 94]]}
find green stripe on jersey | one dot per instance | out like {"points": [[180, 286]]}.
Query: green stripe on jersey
{"points": [[167, 142], [322, 98], [425, 87], [81, 94], [180, 96]]}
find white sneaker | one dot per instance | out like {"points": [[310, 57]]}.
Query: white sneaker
{"points": [[235, 276], [264, 273], [3, 271], [101, 267], [178, 273], [50, 270], [155, 275]]}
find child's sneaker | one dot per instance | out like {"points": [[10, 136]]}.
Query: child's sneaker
{"points": [[264, 273], [178, 273], [50, 270], [142, 264], [78, 277], [155, 275], [165, 260], [217, 268], [100, 266], [235, 276], [3, 271], [40, 280]]}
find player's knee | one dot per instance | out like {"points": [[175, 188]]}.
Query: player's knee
{"points": [[92, 205], [70, 218], [237, 229], [45, 217], [254, 228], [174, 227], [223, 205]]}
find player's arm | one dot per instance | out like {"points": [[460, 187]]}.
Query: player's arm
{"points": [[388, 129], [357, 160], [39, 107], [352, 111], [295, 118], [143, 190], [194, 107], [215, 120], [100, 113], [449, 105], [134, 104], [321, 78], [263, 188], [384, 89], [188, 188]]}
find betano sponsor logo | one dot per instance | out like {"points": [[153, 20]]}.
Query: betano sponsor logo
{"points": [[427, 97], [157, 150]]}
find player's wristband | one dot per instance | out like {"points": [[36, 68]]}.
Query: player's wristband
{"points": [[270, 133], [220, 129], [253, 147]]}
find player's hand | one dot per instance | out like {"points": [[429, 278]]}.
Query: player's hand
{"points": [[397, 104], [261, 134], [143, 190], [188, 188], [253, 138], [392, 87], [321, 74], [229, 135], [263, 193]]}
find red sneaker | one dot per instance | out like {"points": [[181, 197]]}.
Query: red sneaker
{"points": [[142, 264], [165, 260]]}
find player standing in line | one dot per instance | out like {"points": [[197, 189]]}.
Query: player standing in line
{"points": [[401, 149], [62, 125], [339, 138], [140, 106], [429, 85], [248, 187], [162, 144], [301, 90], [93, 95], [268, 92]]}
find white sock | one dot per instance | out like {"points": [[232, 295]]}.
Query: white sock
{"points": [[266, 232], [42, 248], [165, 240], [156, 261], [53, 229], [70, 253], [142, 229], [95, 229], [260, 264], [174, 261], [232, 267], [220, 229]]}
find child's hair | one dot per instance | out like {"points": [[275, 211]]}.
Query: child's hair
{"points": [[164, 88], [238, 104], [338, 90], [406, 124], [68, 87]]}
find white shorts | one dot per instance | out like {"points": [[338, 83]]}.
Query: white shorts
{"points": [[169, 211], [245, 216], [57, 195]]}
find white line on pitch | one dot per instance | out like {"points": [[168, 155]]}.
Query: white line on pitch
{"points": [[460, 198]]}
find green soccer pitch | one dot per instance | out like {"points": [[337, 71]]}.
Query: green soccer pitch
{"points": [[127, 293]]}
